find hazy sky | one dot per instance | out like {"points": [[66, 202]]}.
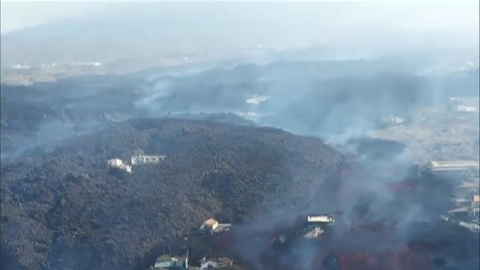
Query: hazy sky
{"points": [[112, 30], [20, 14], [461, 15]]}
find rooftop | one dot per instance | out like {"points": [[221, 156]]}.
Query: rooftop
{"points": [[210, 222], [454, 163]]}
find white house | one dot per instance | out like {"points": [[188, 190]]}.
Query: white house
{"points": [[256, 100], [321, 219], [144, 159], [117, 163]]}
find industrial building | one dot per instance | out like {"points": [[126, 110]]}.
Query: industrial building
{"points": [[453, 165], [467, 167]]}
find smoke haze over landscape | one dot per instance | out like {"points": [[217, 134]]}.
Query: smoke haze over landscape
{"points": [[114, 31], [265, 111]]}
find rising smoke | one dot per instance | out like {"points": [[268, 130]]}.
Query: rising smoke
{"points": [[337, 100]]}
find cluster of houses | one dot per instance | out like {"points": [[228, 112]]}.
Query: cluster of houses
{"points": [[167, 262], [210, 226], [466, 200], [314, 225]]}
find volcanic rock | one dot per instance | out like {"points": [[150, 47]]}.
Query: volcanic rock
{"points": [[63, 209]]}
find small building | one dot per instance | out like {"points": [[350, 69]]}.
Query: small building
{"points": [[93, 64], [18, 66], [464, 108], [145, 159], [395, 120], [455, 99], [209, 224], [476, 206], [328, 218], [118, 164], [215, 263], [256, 100], [460, 201], [171, 262], [212, 226], [115, 162], [472, 209]]}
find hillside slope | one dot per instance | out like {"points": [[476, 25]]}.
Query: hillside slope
{"points": [[62, 209]]}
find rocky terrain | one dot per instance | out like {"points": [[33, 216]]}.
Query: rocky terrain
{"points": [[327, 99], [62, 209]]}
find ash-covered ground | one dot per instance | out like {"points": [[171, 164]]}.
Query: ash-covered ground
{"points": [[63, 209], [386, 217], [334, 100]]}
